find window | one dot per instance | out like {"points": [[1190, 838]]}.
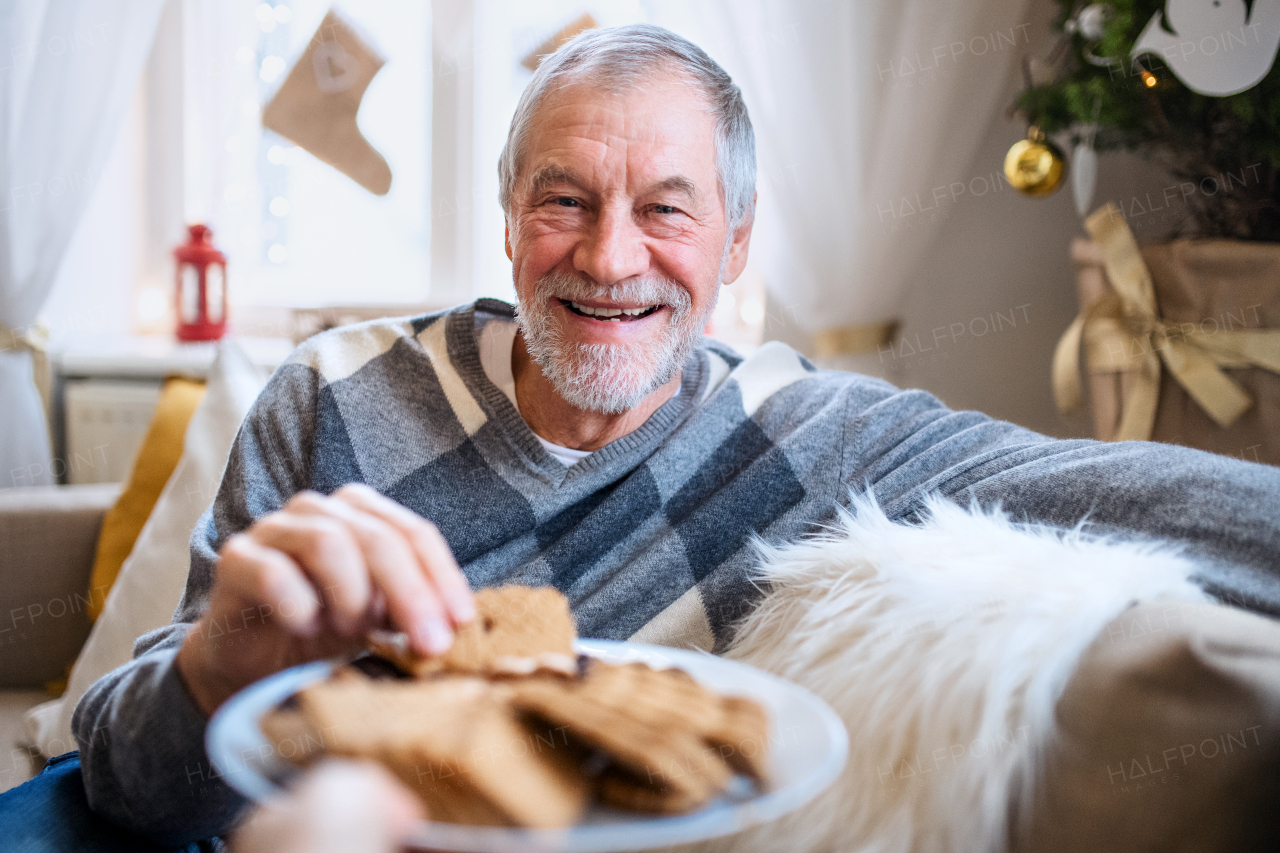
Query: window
{"points": [[299, 234], [296, 231]]}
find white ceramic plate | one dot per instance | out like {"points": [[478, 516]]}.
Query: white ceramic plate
{"points": [[808, 749]]}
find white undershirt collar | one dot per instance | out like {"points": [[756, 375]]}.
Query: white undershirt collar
{"points": [[497, 339]]}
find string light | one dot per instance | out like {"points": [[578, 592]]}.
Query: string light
{"points": [[1149, 79]]}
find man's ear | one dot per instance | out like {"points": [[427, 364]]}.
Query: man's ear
{"points": [[737, 260], [506, 241]]}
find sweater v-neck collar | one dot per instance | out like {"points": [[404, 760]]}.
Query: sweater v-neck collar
{"points": [[464, 351]]}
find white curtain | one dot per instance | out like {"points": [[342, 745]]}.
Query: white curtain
{"points": [[72, 70], [868, 116]]}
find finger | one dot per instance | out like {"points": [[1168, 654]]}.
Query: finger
{"points": [[378, 609], [400, 808], [267, 578], [412, 599], [330, 556], [387, 799], [428, 544], [338, 806]]}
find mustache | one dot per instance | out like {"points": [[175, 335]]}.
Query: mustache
{"points": [[650, 290]]}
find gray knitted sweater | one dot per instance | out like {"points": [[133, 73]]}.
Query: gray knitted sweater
{"points": [[650, 532]]}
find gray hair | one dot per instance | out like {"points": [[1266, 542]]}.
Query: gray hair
{"points": [[616, 58]]}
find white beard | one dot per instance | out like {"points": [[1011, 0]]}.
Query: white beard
{"points": [[608, 378]]}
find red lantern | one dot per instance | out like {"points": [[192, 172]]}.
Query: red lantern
{"points": [[201, 287]]}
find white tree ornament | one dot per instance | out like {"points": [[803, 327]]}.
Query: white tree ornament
{"points": [[1218, 47]]}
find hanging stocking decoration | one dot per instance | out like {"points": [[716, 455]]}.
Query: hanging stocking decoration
{"points": [[316, 105]]}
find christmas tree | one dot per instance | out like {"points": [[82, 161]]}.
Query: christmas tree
{"points": [[1228, 147]]}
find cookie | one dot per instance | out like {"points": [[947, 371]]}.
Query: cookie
{"points": [[455, 741], [291, 736], [736, 727], [507, 728], [518, 630], [741, 734], [623, 790], [672, 741]]}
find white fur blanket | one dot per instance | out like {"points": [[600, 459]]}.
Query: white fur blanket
{"points": [[944, 648]]}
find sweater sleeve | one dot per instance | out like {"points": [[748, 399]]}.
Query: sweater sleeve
{"points": [[1225, 512], [140, 733]]}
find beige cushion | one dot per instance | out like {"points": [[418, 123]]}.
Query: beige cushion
{"points": [[47, 536], [151, 580], [1169, 738]]}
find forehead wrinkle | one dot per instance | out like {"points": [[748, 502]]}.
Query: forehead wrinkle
{"points": [[599, 137], [550, 174]]}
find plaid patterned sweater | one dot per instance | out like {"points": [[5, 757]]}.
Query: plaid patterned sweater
{"points": [[651, 536]]}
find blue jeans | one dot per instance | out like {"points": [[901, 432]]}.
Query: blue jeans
{"points": [[50, 814]]}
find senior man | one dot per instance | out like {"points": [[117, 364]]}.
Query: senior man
{"points": [[588, 438]]}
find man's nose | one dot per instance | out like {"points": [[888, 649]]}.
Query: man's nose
{"points": [[613, 249]]}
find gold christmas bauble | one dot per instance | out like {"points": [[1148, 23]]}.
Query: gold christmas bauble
{"points": [[1033, 165]]}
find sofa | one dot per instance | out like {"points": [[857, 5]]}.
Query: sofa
{"points": [[1093, 666], [47, 539], [55, 542]]}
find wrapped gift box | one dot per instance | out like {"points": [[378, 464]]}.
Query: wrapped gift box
{"points": [[1195, 324]]}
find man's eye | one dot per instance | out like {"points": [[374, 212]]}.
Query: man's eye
{"points": [[665, 209], [565, 201]]}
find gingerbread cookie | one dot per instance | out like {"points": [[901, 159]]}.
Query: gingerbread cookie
{"points": [[507, 729], [623, 790], [517, 631], [455, 741], [674, 743]]}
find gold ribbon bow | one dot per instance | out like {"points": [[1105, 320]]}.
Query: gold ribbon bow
{"points": [[35, 340], [1122, 333]]}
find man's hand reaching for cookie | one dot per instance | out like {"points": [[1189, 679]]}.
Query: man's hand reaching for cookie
{"points": [[310, 581]]}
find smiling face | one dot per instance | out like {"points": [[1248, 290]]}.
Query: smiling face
{"points": [[617, 234]]}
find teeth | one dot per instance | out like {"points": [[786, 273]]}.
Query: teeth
{"points": [[609, 313]]}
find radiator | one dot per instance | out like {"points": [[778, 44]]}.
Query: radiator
{"points": [[106, 421]]}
